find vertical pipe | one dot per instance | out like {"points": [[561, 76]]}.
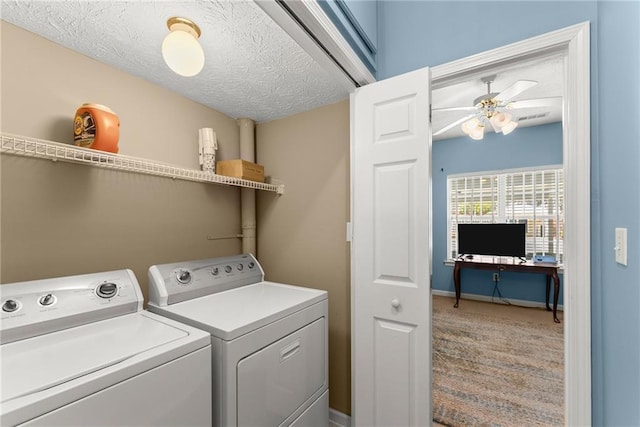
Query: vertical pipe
{"points": [[248, 195]]}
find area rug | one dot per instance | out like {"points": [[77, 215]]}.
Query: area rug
{"points": [[492, 371]]}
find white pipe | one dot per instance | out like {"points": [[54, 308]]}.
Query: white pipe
{"points": [[248, 195]]}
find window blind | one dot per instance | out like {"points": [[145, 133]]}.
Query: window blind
{"points": [[535, 197]]}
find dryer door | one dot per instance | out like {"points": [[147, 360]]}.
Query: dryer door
{"points": [[280, 378]]}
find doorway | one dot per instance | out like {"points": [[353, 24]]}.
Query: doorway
{"points": [[574, 42], [487, 368]]}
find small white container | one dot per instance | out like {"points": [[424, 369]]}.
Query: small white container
{"points": [[207, 146]]}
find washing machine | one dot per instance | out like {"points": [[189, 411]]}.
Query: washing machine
{"points": [[269, 340], [81, 351]]}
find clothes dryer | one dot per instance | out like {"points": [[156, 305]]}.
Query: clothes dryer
{"points": [[80, 350], [269, 339]]}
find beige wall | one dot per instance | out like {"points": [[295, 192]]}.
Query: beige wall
{"points": [[302, 234], [61, 219]]}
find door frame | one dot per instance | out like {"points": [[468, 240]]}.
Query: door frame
{"points": [[573, 41]]}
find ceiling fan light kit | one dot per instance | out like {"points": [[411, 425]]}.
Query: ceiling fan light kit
{"points": [[493, 108], [180, 48]]}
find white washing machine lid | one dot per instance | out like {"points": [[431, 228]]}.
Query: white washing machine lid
{"points": [[41, 363], [233, 313]]}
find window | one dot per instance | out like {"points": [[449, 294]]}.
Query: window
{"points": [[532, 196]]}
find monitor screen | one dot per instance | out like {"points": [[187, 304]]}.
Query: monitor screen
{"points": [[492, 239]]}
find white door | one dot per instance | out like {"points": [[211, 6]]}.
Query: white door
{"points": [[391, 252]]}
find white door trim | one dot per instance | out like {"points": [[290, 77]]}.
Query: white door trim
{"points": [[574, 42]]}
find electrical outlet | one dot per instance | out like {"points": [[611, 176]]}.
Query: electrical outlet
{"points": [[496, 277]]}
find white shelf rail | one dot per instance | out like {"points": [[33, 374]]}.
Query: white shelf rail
{"points": [[32, 147]]}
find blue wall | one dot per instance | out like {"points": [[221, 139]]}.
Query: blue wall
{"points": [[525, 147], [415, 34]]}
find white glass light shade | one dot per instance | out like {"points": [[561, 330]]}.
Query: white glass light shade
{"points": [[182, 51], [509, 127], [500, 120], [477, 133], [468, 126]]}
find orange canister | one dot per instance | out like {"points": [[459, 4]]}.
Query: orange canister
{"points": [[96, 126]]}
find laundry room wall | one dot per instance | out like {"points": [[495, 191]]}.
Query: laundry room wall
{"points": [[58, 218], [302, 234]]}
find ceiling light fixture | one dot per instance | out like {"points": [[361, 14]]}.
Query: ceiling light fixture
{"points": [[491, 110], [180, 49]]}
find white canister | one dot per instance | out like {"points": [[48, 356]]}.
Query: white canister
{"points": [[207, 146]]}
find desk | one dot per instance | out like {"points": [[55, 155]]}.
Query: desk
{"points": [[550, 270]]}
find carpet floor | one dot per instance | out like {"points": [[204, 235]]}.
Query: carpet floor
{"points": [[496, 365]]}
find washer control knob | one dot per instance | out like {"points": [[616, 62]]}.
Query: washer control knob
{"points": [[47, 299], [240, 267], [215, 271], [107, 290], [228, 269], [251, 265], [10, 306], [183, 276]]}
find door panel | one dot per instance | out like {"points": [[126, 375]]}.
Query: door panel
{"points": [[394, 367], [393, 119], [391, 295], [393, 228]]}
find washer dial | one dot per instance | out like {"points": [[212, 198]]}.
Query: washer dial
{"points": [[228, 269], [46, 300], [183, 276], [10, 306], [107, 290]]}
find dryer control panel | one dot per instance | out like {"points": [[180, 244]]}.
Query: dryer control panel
{"points": [[176, 282], [37, 307]]}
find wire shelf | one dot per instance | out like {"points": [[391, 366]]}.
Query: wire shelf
{"points": [[32, 147]]}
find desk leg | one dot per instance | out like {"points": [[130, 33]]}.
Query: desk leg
{"points": [[556, 293], [456, 282], [548, 289]]}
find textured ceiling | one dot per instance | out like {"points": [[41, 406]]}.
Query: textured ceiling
{"points": [[252, 67]]}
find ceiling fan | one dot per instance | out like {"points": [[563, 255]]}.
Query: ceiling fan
{"points": [[494, 109]]}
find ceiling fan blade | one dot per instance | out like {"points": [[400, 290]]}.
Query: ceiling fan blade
{"points": [[454, 124], [536, 103], [515, 89], [471, 108]]}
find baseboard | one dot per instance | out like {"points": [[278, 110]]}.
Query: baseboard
{"points": [[495, 300], [338, 419]]}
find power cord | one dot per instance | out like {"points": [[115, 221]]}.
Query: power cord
{"points": [[496, 289]]}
